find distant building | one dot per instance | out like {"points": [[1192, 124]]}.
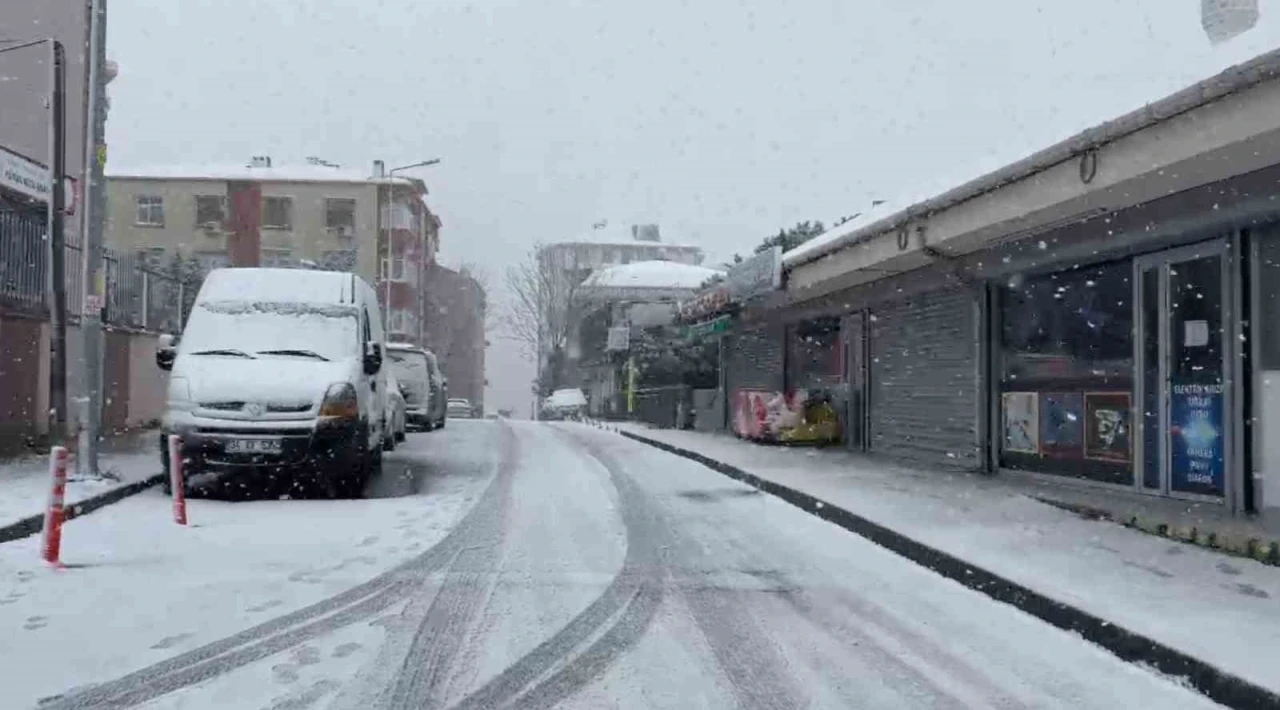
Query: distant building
{"points": [[571, 261], [455, 330], [314, 215]]}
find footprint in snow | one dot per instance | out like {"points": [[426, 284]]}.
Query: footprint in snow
{"points": [[346, 649], [307, 656], [10, 598], [36, 622], [171, 641], [369, 541], [25, 575], [284, 673]]}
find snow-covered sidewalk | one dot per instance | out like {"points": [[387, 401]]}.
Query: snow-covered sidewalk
{"points": [[1224, 611], [24, 482]]}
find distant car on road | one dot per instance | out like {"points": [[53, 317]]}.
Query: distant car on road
{"points": [[565, 404], [461, 409]]}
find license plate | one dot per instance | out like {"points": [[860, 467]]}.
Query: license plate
{"points": [[253, 446]]}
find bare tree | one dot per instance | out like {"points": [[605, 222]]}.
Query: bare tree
{"points": [[540, 310], [480, 275]]}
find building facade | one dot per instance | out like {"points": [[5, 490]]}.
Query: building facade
{"points": [[1102, 312], [456, 306], [306, 216]]}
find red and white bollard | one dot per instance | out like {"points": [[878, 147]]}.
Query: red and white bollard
{"points": [[177, 481], [51, 538]]}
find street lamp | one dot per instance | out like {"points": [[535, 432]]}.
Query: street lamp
{"points": [[386, 281]]}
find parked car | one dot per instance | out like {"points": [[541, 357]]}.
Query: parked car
{"points": [[413, 368], [439, 390], [277, 383], [396, 413], [461, 409], [565, 404]]}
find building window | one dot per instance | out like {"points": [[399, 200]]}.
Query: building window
{"points": [[400, 321], [277, 258], [150, 211], [398, 268], [1066, 354], [340, 216], [277, 213], [210, 211], [210, 260]]}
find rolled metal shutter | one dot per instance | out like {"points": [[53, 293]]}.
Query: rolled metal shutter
{"points": [[753, 359], [923, 374]]}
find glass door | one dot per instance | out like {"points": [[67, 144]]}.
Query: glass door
{"points": [[1183, 362]]}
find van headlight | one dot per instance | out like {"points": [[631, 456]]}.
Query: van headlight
{"points": [[340, 402]]}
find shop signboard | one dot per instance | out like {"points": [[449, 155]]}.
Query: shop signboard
{"points": [[761, 273], [25, 177], [715, 326], [1021, 422], [1197, 457], [1062, 425], [705, 303], [1107, 426]]}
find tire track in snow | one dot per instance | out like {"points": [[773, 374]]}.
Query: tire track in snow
{"points": [[557, 669], [352, 606], [755, 668]]}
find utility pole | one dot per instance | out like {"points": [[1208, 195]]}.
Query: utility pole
{"points": [[92, 224], [57, 244]]}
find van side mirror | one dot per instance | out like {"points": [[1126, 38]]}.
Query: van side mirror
{"points": [[166, 351], [372, 358]]}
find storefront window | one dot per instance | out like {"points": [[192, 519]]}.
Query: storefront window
{"points": [[1067, 372]]}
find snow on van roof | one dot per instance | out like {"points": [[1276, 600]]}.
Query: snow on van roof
{"points": [[277, 285]]}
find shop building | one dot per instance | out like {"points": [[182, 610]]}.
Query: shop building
{"points": [[1102, 311]]}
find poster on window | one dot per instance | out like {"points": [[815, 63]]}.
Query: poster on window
{"points": [[1062, 425], [1107, 426], [1021, 422], [1197, 461]]}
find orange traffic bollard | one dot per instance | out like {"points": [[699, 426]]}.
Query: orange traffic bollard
{"points": [[177, 480], [51, 542]]}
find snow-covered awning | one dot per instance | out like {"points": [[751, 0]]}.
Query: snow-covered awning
{"points": [[652, 274]]}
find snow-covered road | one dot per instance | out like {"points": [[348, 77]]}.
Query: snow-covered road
{"points": [[579, 570]]}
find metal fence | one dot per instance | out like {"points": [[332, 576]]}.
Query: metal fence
{"points": [[140, 293]]}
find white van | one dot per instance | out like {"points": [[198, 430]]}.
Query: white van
{"points": [[277, 382]]}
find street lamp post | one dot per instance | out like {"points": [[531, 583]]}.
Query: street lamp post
{"points": [[386, 279]]}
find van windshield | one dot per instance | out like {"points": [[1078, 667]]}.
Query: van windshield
{"points": [[252, 327]]}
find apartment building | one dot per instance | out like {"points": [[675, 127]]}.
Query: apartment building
{"points": [[456, 304], [314, 215]]}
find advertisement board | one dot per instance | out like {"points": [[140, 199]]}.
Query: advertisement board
{"points": [[1197, 460]]}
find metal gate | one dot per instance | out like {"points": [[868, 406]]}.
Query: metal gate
{"points": [[923, 379], [753, 360]]}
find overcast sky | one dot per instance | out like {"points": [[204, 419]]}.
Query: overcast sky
{"points": [[720, 120]]}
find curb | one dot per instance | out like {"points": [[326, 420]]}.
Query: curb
{"points": [[32, 525], [1220, 686], [1266, 551]]}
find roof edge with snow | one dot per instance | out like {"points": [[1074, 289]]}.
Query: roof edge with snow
{"points": [[1232, 80]]}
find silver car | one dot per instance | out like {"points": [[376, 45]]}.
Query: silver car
{"points": [[418, 373]]}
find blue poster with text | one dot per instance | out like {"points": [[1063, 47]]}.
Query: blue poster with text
{"points": [[1196, 436]]}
